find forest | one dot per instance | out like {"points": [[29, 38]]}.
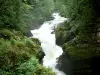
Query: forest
{"points": [[79, 38]]}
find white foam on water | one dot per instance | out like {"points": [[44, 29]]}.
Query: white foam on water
{"points": [[48, 42]]}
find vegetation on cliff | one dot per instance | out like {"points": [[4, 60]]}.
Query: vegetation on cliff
{"points": [[79, 37], [20, 55]]}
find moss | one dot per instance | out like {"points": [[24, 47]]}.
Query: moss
{"points": [[78, 36]]}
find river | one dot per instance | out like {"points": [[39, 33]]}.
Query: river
{"points": [[46, 35]]}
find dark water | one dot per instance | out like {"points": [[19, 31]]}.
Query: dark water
{"points": [[89, 66], [65, 64]]}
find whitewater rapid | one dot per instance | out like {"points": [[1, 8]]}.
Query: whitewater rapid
{"points": [[46, 35]]}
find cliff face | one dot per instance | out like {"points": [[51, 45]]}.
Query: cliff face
{"points": [[80, 37]]}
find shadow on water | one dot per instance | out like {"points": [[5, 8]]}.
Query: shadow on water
{"points": [[65, 64]]}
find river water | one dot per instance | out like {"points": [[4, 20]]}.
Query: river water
{"points": [[46, 35]]}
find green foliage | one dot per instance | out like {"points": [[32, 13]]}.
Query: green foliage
{"points": [[34, 12], [24, 14], [32, 67], [7, 34], [80, 50], [60, 6], [77, 36], [20, 55], [40, 8], [9, 11]]}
